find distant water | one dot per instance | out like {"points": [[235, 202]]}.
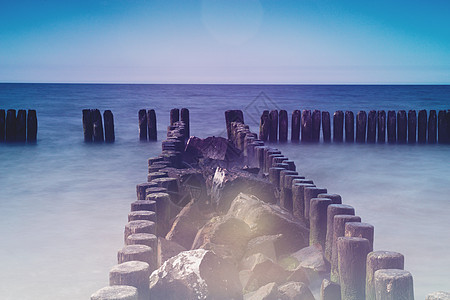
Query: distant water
{"points": [[64, 203]]}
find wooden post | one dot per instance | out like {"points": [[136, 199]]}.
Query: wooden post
{"points": [[174, 115], [306, 129], [132, 273], [422, 127], [260, 157], [352, 267], [11, 125], [381, 126], [140, 189], [316, 126], [184, 114], [295, 130], [97, 126], [146, 215], [318, 221], [233, 116], [432, 128], [283, 126], [371, 126], [137, 253], [349, 127], [273, 132], [334, 210], [298, 199], [117, 292], [274, 176], [140, 226], [338, 126], [142, 125], [393, 284], [152, 125], [412, 124], [401, 126], [21, 125], [362, 230], [391, 127], [32, 126], [311, 192], [442, 127], [361, 120], [264, 126], [163, 205], [2, 125], [109, 126], [326, 127], [335, 198], [339, 231], [380, 260], [87, 125]]}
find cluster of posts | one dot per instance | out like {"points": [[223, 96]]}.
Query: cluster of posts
{"points": [[20, 127], [147, 125], [357, 272], [93, 126], [400, 127]]}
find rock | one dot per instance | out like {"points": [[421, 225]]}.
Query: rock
{"points": [[248, 263], [167, 249], [267, 219], [295, 290], [266, 292], [438, 296], [330, 290], [266, 245], [227, 184], [195, 274], [216, 148], [224, 230], [263, 273]]}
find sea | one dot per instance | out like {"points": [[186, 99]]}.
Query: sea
{"points": [[64, 203]]}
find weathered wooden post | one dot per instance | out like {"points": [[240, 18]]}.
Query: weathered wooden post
{"points": [[339, 231], [273, 132], [442, 127], [97, 126], [139, 226], [335, 198], [349, 127], [338, 126], [311, 192], [326, 127], [174, 115], [432, 128], [393, 284], [422, 127], [11, 125], [139, 205], [21, 125], [117, 292], [362, 230], [147, 239], [318, 221], [32, 126], [274, 176], [391, 127], [132, 273], [163, 214], [412, 124], [298, 198], [380, 260], [401, 126], [267, 161], [264, 126], [233, 116], [285, 189], [361, 120], [260, 157], [352, 267], [283, 129], [152, 125], [87, 125], [381, 126], [306, 129], [334, 210], [315, 125], [142, 125], [184, 114], [140, 189], [295, 130], [146, 215], [142, 253], [2, 125], [371, 126], [109, 126]]}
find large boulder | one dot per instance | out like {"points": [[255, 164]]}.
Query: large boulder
{"points": [[267, 219], [270, 245], [195, 274], [264, 272], [227, 184], [266, 292], [295, 290]]}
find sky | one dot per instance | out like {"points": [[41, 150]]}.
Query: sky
{"points": [[226, 41]]}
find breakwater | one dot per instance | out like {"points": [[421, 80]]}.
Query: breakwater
{"points": [[372, 127], [94, 129], [18, 126], [310, 205]]}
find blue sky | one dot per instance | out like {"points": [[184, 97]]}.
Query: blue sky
{"points": [[226, 41]]}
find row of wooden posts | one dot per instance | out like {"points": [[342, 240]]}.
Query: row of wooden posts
{"points": [[20, 127], [93, 126], [357, 272], [401, 127]]}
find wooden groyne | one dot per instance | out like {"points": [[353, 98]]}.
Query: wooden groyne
{"points": [[235, 219], [18, 126], [95, 130], [400, 127]]}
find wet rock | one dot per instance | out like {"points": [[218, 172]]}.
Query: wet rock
{"points": [[167, 249], [267, 219], [263, 273], [268, 245], [248, 263], [295, 290], [195, 274], [266, 292]]}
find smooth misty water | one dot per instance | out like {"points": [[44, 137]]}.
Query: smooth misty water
{"points": [[63, 203]]}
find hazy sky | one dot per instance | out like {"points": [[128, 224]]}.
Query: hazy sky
{"points": [[226, 41]]}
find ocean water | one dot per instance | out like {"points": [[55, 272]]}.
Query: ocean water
{"points": [[64, 203]]}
